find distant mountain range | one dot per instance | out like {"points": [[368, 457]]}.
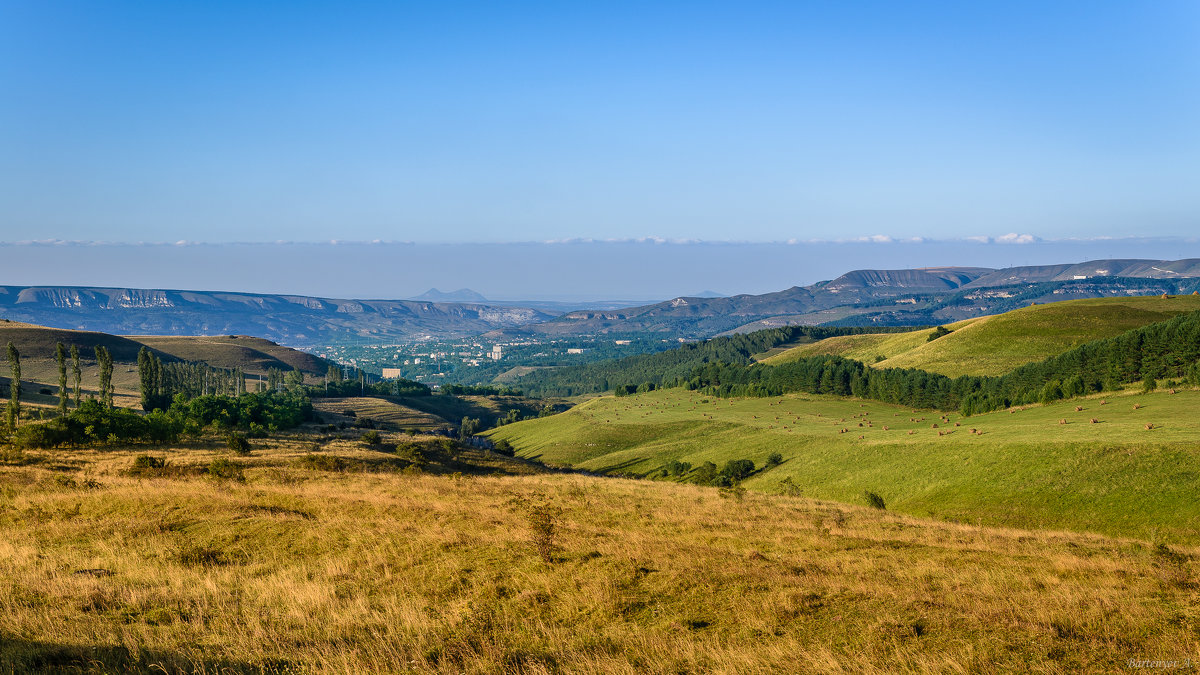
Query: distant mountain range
{"points": [[288, 319], [862, 297], [461, 295], [885, 297]]}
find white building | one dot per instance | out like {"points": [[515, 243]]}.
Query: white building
{"points": [[392, 374], [497, 353]]}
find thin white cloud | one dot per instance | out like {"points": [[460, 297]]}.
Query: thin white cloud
{"points": [[1014, 238]]}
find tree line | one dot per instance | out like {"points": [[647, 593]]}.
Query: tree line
{"points": [[675, 366], [1168, 349], [94, 423]]}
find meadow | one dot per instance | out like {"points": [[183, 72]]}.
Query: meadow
{"points": [[294, 568], [994, 345], [1132, 472]]}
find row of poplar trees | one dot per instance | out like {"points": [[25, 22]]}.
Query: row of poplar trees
{"points": [[160, 382], [105, 393]]}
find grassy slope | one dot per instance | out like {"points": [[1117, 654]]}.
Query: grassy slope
{"points": [[311, 571], [1025, 470], [994, 345], [377, 409], [39, 369], [859, 347], [254, 355]]}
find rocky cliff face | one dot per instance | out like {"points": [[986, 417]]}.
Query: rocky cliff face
{"points": [[288, 319]]}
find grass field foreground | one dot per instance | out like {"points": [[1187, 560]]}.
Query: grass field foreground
{"points": [[302, 570]]}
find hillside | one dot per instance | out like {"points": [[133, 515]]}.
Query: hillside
{"points": [[1025, 469], [994, 345], [39, 369], [295, 320], [252, 354], [344, 560]]}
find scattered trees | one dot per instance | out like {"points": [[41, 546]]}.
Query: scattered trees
{"points": [[468, 427]]}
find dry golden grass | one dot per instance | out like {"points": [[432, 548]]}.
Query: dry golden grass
{"points": [[313, 571], [378, 409]]}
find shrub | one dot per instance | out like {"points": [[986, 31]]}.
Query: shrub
{"points": [[706, 473], [738, 469], [774, 459], [542, 519], [44, 391], [372, 438], [1149, 384], [503, 447], [238, 444], [940, 331], [736, 493], [224, 469], [49, 435], [677, 468], [874, 500], [142, 462], [788, 488]]}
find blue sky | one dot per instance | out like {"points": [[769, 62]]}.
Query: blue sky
{"points": [[501, 122]]}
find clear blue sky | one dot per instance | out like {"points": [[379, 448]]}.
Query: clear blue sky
{"points": [[507, 121]]}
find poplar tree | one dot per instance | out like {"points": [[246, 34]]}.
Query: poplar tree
{"points": [[104, 358], [76, 372], [14, 387], [146, 377], [60, 355]]}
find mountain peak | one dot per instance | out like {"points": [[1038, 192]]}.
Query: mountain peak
{"points": [[461, 295]]}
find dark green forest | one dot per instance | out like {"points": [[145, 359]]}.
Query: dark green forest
{"points": [[1168, 349], [676, 366]]}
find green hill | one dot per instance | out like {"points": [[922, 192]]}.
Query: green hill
{"points": [[994, 345], [1025, 470]]}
